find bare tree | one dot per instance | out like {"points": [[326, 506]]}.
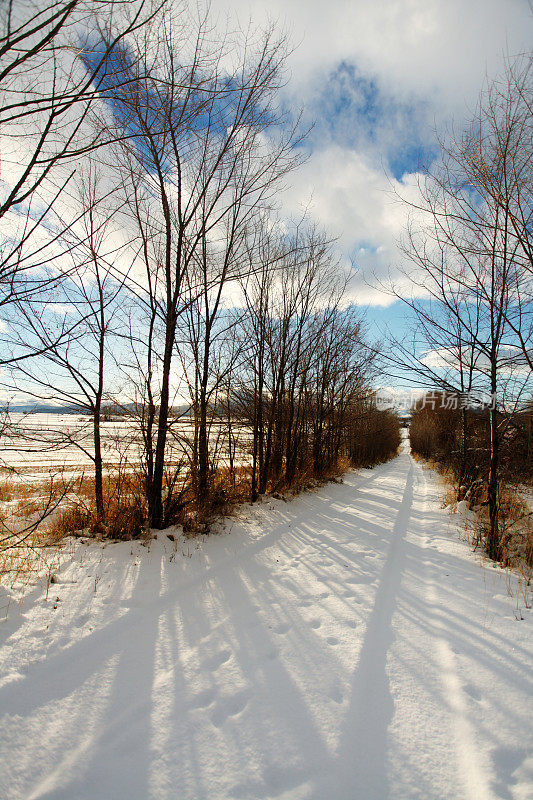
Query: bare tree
{"points": [[305, 366], [52, 70], [472, 263], [498, 152], [70, 368], [207, 154]]}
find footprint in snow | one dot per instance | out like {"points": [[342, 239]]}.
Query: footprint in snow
{"points": [[203, 699], [332, 640], [229, 707], [215, 661], [360, 579], [283, 627], [315, 623], [473, 692], [349, 594], [336, 695]]}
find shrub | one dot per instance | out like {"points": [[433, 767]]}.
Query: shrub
{"points": [[376, 438], [436, 435]]}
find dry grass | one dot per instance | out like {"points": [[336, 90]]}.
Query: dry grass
{"points": [[515, 518], [125, 514], [70, 521], [125, 508], [25, 553], [515, 528], [305, 479], [447, 477], [228, 490], [24, 542], [21, 563], [14, 490]]}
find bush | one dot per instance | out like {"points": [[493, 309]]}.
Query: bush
{"points": [[125, 510], [436, 435], [376, 438]]}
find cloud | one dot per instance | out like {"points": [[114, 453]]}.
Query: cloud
{"points": [[413, 47], [511, 363], [342, 189], [398, 399], [378, 78]]}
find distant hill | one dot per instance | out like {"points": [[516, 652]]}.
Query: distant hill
{"points": [[42, 408]]}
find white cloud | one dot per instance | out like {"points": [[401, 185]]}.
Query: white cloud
{"points": [[339, 188], [424, 62], [412, 46], [398, 399]]}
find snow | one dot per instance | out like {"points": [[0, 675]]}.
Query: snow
{"points": [[345, 645], [42, 444]]}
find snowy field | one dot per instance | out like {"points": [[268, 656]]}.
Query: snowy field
{"points": [[344, 646], [45, 444]]}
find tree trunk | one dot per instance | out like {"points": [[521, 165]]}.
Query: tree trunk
{"points": [[493, 543], [255, 447], [98, 477], [155, 498], [203, 444], [203, 451], [463, 454]]}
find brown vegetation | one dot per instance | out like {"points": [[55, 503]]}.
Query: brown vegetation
{"points": [[374, 437], [436, 435]]}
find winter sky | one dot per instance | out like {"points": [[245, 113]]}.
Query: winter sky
{"points": [[378, 78]]}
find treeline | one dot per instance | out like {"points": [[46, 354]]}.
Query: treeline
{"points": [[304, 386], [459, 438], [144, 264]]}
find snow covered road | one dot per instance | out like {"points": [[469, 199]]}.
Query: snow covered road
{"points": [[344, 646]]}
